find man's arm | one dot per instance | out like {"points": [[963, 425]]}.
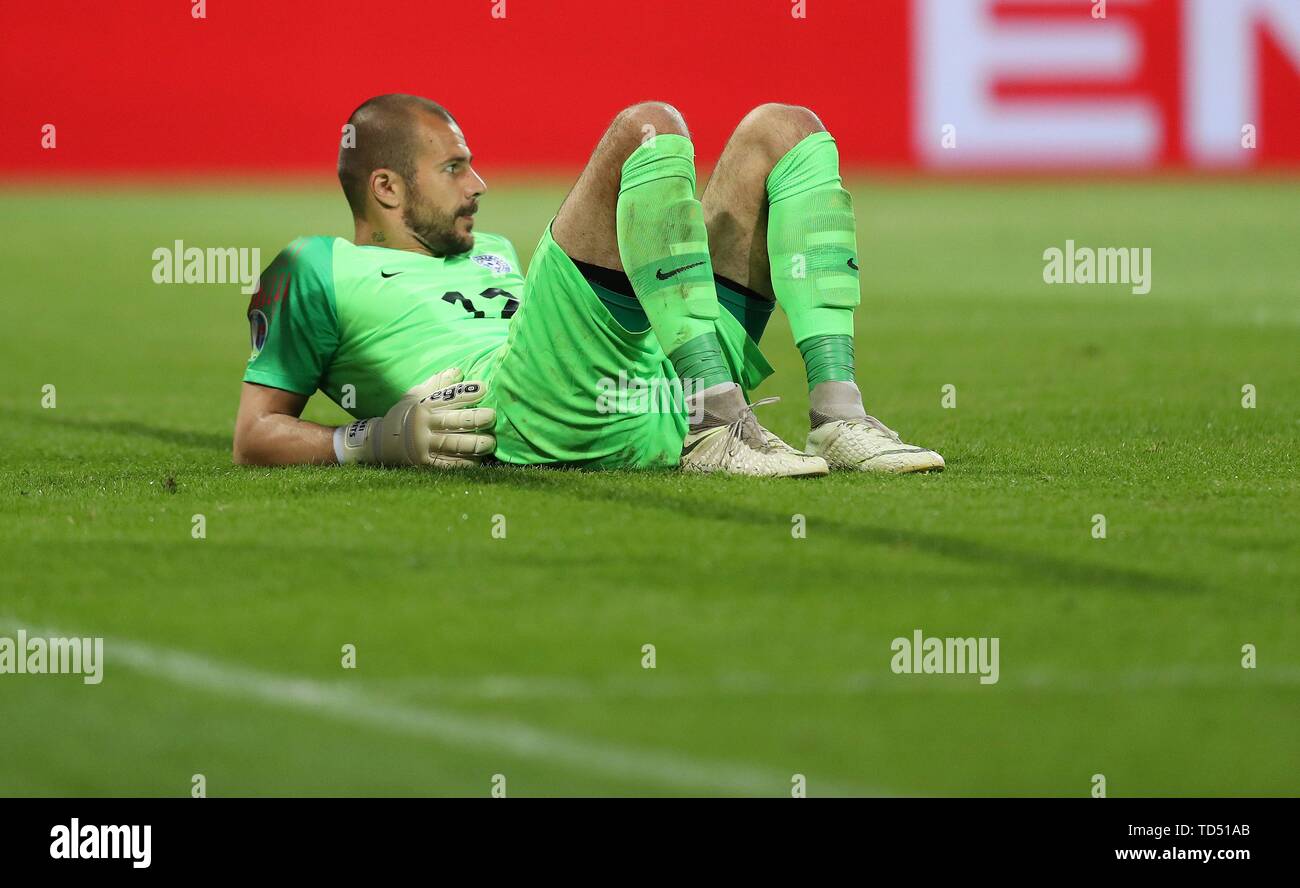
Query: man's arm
{"points": [[434, 424], [268, 431]]}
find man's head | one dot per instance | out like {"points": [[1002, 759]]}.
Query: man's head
{"points": [[407, 167]]}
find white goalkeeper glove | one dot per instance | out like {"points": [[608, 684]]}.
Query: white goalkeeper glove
{"points": [[434, 424]]}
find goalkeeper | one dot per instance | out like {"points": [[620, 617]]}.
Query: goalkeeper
{"points": [[429, 333]]}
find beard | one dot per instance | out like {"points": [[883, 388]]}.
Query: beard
{"points": [[437, 230]]}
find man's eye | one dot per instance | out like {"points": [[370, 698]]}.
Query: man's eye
{"points": [[450, 168]]}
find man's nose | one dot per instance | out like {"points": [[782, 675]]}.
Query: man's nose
{"points": [[477, 186]]}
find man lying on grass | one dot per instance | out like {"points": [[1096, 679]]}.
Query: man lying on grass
{"points": [[432, 330]]}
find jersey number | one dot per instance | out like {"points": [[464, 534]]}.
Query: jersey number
{"points": [[512, 304]]}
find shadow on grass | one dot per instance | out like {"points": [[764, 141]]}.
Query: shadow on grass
{"points": [[1039, 565], [135, 429], [595, 485]]}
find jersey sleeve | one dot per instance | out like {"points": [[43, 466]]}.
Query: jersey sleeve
{"points": [[293, 320]]}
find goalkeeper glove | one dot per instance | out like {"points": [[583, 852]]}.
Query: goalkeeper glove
{"points": [[434, 424]]}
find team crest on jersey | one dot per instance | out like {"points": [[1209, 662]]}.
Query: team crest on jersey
{"points": [[257, 328], [493, 262]]}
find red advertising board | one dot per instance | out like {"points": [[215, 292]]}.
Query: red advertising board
{"points": [[904, 84]]}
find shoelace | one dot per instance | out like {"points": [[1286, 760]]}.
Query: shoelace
{"points": [[735, 429]]}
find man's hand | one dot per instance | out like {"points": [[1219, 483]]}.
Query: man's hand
{"points": [[434, 424]]}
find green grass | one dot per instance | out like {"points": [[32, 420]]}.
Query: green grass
{"points": [[480, 656]]}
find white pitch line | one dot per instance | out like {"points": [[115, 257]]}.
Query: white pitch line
{"points": [[454, 729], [748, 684]]}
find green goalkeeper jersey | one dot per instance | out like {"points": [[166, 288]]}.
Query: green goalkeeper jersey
{"points": [[364, 324]]}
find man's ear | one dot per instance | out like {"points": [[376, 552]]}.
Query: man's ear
{"points": [[388, 188]]}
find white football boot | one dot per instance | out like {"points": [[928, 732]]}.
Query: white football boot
{"points": [[858, 441], [868, 445], [740, 446]]}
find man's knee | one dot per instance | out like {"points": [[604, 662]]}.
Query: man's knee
{"points": [[644, 120], [773, 128]]}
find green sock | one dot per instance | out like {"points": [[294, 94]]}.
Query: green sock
{"points": [[701, 359], [665, 251], [812, 248], [828, 358]]}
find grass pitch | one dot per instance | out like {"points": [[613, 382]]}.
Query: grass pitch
{"points": [[523, 656]]}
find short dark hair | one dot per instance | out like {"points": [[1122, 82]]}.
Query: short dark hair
{"points": [[383, 137]]}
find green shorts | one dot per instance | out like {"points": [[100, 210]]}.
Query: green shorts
{"points": [[572, 385]]}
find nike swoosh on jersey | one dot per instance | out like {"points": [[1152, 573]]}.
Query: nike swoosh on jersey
{"points": [[659, 273], [853, 265], [388, 274]]}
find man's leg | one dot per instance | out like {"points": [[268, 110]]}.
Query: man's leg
{"points": [[736, 208], [790, 237], [633, 209], [781, 227]]}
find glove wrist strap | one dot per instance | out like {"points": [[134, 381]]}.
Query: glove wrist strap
{"points": [[339, 455], [358, 442]]}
